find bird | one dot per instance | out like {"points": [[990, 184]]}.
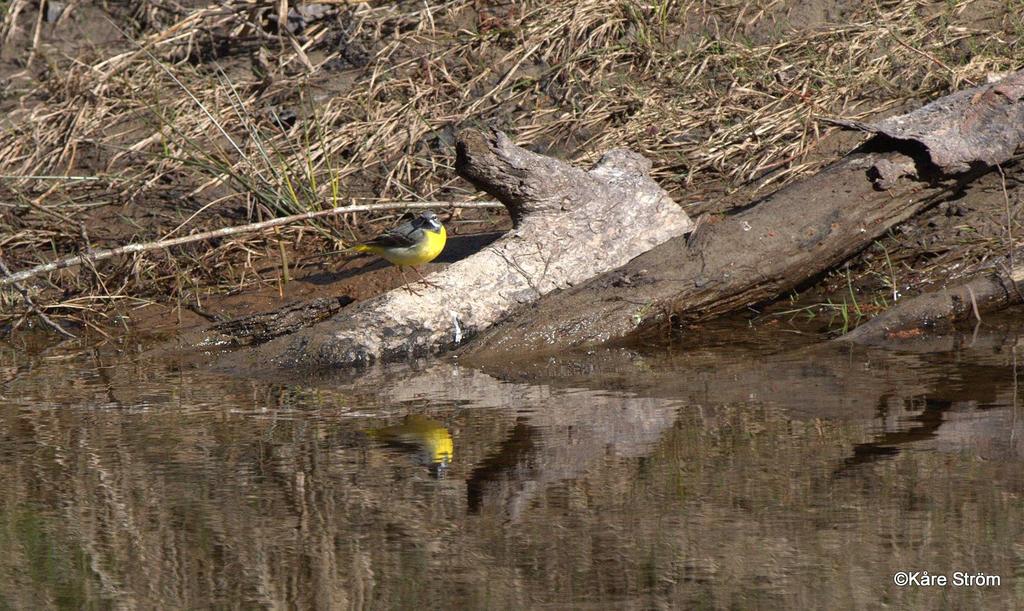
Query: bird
{"points": [[410, 244]]}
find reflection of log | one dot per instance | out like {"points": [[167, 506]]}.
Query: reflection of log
{"points": [[952, 412], [977, 295], [787, 239], [823, 381], [570, 225], [830, 381], [556, 437]]}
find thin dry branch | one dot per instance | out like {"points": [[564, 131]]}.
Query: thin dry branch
{"points": [[91, 257]]}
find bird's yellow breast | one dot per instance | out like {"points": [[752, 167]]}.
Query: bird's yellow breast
{"points": [[424, 251]]}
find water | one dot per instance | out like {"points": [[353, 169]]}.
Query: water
{"points": [[756, 472]]}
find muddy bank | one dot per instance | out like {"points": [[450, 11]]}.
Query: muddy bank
{"points": [[223, 120]]}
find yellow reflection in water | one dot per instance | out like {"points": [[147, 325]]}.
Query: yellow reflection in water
{"points": [[427, 437]]}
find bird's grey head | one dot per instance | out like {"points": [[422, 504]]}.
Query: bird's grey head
{"points": [[428, 220]]}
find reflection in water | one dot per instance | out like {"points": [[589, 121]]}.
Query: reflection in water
{"points": [[507, 465], [921, 426], [428, 439], [661, 478]]}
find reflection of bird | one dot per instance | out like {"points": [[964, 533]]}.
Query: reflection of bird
{"points": [[433, 441], [411, 243]]}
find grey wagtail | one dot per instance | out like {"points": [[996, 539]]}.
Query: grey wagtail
{"points": [[410, 244]]}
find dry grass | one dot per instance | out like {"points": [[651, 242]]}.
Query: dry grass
{"points": [[205, 116]]}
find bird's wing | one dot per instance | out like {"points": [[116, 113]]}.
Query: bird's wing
{"points": [[402, 236]]}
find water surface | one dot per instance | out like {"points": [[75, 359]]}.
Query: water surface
{"points": [[759, 472]]}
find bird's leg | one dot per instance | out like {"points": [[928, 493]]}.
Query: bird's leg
{"points": [[405, 279], [424, 280]]}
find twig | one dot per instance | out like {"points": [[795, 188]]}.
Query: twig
{"points": [[974, 304], [98, 255], [32, 306], [11, 19], [36, 33], [1009, 217]]}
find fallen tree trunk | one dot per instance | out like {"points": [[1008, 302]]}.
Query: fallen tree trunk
{"points": [[999, 288], [793, 235], [788, 238], [569, 225]]}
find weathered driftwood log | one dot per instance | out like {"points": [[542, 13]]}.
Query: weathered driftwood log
{"points": [[793, 235], [999, 288], [569, 225], [788, 238]]}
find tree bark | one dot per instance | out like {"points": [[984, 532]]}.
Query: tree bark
{"points": [[569, 225]]}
